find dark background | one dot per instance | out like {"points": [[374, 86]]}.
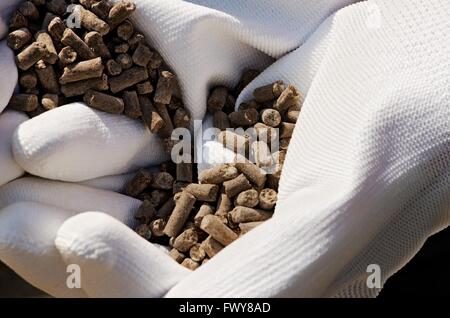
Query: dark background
{"points": [[427, 275]]}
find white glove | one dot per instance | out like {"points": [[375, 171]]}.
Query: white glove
{"points": [[366, 177]]}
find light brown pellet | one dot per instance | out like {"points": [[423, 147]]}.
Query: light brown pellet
{"points": [[267, 199], [248, 198], [247, 227], [190, 264], [82, 70], [138, 183], [67, 55], [176, 255], [203, 192], [121, 11], [290, 97], [28, 57], [286, 130], [270, 117], [95, 41], [236, 185], [292, 116], [268, 92], [224, 205], [261, 154], [185, 240], [233, 141], [49, 101], [180, 214], [251, 171], [157, 227], [242, 214], [218, 174], [211, 246], [167, 128], [218, 230], [149, 114], [18, 38], [197, 253], [205, 209]]}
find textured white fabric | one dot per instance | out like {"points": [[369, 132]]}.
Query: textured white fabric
{"points": [[77, 143], [367, 174], [9, 169], [8, 74]]}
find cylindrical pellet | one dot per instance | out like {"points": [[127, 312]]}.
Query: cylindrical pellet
{"points": [[176, 255], [113, 68], [205, 209], [220, 120], [218, 230], [190, 264], [149, 114], [56, 28], [145, 212], [211, 246], [244, 118], [268, 92], [82, 70], [181, 119], [247, 77], [92, 22], [261, 154], [69, 38], [165, 87], [125, 30], [120, 12], [67, 55], [24, 102], [286, 130], [95, 41], [236, 185], [28, 79], [29, 10], [224, 205], [163, 180], [180, 214], [185, 240], [132, 107], [184, 172], [142, 55], [124, 60], [121, 48], [138, 183], [50, 101], [81, 87], [167, 208], [247, 227], [144, 88], [167, 128], [47, 77], [290, 97], [58, 7], [218, 174], [157, 227], [248, 198], [270, 117], [104, 102], [128, 78], [197, 253], [28, 57], [18, 38], [267, 199], [51, 56], [233, 141], [242, 214], [251, 171], [217, 99], [203, 192], [292, 116]]}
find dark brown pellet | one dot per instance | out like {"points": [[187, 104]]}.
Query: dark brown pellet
{"points": [[145, 213], [121, 11], [81, 87], [292, 116], [149, 114], [163, 181], [28, 79], [28, 57], [29, 10], [17, 39], [38, 2], [217, 99], [144, 231], [203, 192], [125, 30], [104, 102], [23, 102], [132, 108], [91, 22], [47, 77], [138, 183], [165, 87], [113, 68], [268, 92], [236, 185], [95, 41], [135, 40], [124, 60], [179, 186], [167, 208], [181, 119], [56, 28], [121, 48], [290, 97], [180, 214], [244, 118], [66, 56], [144, 88], [158, 197], [220, 120], [17, 21], [286, 130], [270, 117], [46, 22], [247, 77], [57, 7], [142, 55], [69, 38], [82, 71], [101, 9], [128, 78]]}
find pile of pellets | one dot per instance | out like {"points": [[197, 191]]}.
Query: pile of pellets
{"points": [[88, 50], [198, 218]]}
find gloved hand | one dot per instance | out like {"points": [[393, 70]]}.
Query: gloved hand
{"points": [[365, 179]]}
